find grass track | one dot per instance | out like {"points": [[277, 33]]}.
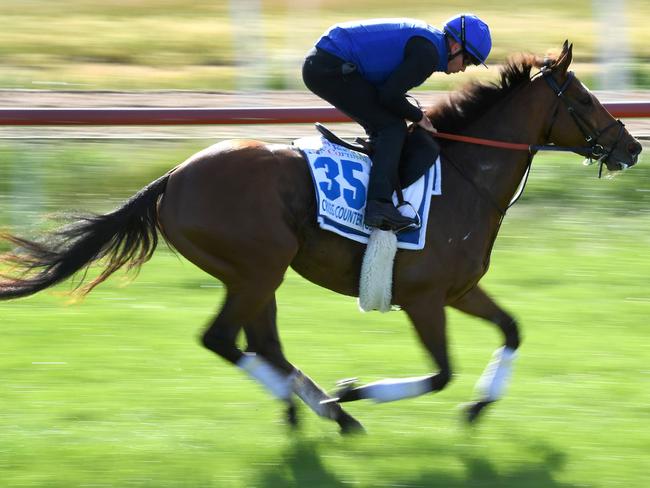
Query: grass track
{"points": [[115, 391]]}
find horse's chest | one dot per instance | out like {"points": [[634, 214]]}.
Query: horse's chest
{"points": [[466, 252]]}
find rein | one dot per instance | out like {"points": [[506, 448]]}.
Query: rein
{"points": [[517, 146], [591, 135]]}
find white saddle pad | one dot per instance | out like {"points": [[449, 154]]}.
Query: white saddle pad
{"points": [[341, 180]]}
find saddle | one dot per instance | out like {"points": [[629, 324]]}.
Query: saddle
{"points": [[419, 152]]}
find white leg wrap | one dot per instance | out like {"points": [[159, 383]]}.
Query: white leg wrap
{"points": [[309, 393], [492, 383], [392, 389], [376, 280], [279, 384]]}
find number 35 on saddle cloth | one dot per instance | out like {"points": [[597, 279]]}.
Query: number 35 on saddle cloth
{"points": [[340, 178]]}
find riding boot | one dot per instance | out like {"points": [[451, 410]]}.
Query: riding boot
{"points": [[385, 216], [380, 211]]}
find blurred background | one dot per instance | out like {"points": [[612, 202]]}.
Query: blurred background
{"points": [[116, 391], [259, 44]]}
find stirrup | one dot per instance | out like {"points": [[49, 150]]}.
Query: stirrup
{"points": [[414, 226]]}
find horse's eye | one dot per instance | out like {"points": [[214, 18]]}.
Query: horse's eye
{"points": [[586, 100]]}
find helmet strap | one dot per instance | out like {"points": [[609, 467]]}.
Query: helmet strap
{"points": [[451, 55], [462, 32], [463, 43], [456, 54]]}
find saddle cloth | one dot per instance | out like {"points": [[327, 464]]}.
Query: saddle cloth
{"points": [[340, 178]]}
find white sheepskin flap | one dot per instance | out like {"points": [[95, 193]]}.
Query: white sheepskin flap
{"points": [[376, 281]]}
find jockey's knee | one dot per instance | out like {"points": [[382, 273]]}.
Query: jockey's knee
{"points": [[395, 131]]}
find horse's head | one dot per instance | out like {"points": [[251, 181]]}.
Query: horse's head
{"points": [[579, 120]]}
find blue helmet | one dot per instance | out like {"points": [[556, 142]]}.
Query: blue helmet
{"points": [[472, 33]]}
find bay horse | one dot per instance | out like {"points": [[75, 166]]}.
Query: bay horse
{"points": [[244, 211]]}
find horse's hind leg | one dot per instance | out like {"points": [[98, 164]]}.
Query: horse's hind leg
{"points": [[263, 339], [491, 385], [241, 307]]}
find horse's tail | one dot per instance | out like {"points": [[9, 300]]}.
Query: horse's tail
{"points": [[125, 236]]}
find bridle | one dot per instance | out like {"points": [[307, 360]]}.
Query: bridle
{"points": [[594, 150]]}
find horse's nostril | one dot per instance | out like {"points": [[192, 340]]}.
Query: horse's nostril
{"points": [[634, 148]]}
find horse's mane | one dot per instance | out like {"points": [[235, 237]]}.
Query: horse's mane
{"points": [[466, 105]]}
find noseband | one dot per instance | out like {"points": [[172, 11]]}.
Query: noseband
{"points": [[595, 150]]}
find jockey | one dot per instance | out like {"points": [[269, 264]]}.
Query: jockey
{"points": [[364, 68]]}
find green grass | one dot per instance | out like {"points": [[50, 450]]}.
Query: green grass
{"points": [[116, 391], [155, 44]]}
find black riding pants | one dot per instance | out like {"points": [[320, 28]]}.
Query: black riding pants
{"points": [[326, 76]]}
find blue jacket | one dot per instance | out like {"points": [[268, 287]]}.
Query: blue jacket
{"points": [[376, 47]]}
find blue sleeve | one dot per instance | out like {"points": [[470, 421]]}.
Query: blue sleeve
{"points": [[420, 59]]}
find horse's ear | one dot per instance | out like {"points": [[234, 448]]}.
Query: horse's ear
{"points": [[562, 64]]}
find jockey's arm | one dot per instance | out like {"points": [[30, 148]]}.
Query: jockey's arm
{"points": [[420, 58]]}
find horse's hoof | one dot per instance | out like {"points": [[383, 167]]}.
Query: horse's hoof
{"points": [[345, 392], [473, 410], [292, 415], [351, 426]]}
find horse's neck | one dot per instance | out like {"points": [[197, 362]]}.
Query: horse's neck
{"points": [[500, 171]]}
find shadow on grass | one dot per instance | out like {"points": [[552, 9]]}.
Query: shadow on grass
{"points": [[304, 467]]}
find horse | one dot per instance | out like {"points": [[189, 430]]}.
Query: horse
{"points": [[243, 211]]}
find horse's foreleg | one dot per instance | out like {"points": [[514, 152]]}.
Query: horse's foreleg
{"points": [[492, 383], [430, 324], [263, 339]]}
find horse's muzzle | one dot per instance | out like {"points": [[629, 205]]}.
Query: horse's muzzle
{"points": [[624, 157]]}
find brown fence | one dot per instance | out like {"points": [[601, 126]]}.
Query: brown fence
{"points": [[208, 116]]}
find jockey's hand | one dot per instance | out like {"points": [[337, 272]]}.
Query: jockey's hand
{"points": [[426, 124]]}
